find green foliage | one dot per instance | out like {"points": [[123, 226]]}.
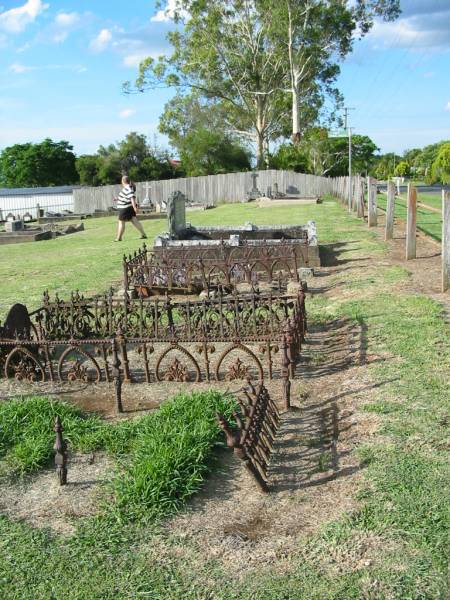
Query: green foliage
{"points": [[48, 163], [402, 169], [171, 455], [441, 166], [197, 129], [27, 436], [132, 156], [272, 64], [320, 154], [88, 166], [165, 455]]}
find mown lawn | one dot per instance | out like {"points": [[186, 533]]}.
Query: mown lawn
{"points": [[403, 503], [91, 261]]}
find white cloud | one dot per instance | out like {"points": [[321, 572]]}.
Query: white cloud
{"points": [[67, 19], [19, 68], [101, 42], [422, 25], [168, 13], [16, 19], [133, 60], [447, 106], [126, 113]]}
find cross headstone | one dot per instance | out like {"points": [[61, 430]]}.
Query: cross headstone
{"points": [[146, 201], [254, 177]]}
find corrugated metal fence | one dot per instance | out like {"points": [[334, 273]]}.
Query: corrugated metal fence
{"points": [[210, 189]]}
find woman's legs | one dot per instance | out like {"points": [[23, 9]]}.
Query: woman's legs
{"points": [[138, 226], [120, 230]]}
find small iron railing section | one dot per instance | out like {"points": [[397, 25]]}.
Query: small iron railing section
{"points": [[253, 439], [196, 267]]}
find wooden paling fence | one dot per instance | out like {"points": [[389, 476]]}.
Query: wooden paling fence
{"points": [[208, 189]]}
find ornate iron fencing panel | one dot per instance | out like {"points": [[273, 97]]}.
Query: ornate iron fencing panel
{"points": [[253, 439], [195, 267]]}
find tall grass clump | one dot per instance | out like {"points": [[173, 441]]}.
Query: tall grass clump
{"points": [[171, 456], [27, 435]]}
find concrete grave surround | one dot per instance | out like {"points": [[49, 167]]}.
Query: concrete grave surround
{"points": [[184, 234]]}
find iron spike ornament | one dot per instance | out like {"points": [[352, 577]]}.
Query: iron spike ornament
{"points": [[60, 449]]}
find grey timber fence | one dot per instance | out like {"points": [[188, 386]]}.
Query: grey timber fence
{"points": [[210, 189]]}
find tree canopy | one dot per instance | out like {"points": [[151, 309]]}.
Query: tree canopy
{"points": [[132, 156], [321, 154], [44, 164], [269, 63]]}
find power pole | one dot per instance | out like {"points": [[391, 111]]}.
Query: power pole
{"points": [[349, 133]]}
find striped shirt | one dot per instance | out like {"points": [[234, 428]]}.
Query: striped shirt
{"points": [[124, 198]]}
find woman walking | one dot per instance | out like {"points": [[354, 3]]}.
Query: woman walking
{"points": [[126, 203]]}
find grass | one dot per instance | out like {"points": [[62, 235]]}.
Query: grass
{"points": [[163, 456], [90, 261], [402, 517]]}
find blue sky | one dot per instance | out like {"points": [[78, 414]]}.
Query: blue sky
{"points": [[62, 64]]}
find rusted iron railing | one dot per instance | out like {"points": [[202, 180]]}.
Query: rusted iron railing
{"points": [[253, 439], [195, 267], [251, 337]]}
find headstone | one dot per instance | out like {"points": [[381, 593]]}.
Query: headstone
{"points": [[11, 226], [146, 202], [176, 214], [10, 217], [254, 193], [17, 323], [27, 217]]}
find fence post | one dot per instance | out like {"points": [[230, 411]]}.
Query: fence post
{"points": [[117, 376], [445, 240], [390, 207], [411, 215], [372, 203], [285, 368]]}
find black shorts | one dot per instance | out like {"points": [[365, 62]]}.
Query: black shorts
{"points": [[126, 214]]}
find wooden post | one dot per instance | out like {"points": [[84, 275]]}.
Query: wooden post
{"points": [[445, 240], [360, 198], [390, 208], [372, 203], [411, 215]]}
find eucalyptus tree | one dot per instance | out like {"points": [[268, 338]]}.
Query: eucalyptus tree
{"points": [[314, 36], [225, 51]]}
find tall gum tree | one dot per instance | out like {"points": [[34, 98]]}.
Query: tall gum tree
{"points": [[225, 51], [315, 35]]}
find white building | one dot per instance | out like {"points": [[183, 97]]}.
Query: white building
{"points": [[20, 201]]}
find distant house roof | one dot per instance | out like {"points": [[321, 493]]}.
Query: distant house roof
{"points": [[38, 191]]}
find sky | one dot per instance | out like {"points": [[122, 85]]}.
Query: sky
{"points": [[63, 63]]}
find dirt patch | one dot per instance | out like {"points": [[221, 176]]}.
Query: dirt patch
{"points": [[43, 503], [314, 472]]}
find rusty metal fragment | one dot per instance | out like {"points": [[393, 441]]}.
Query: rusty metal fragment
{"points": [[60, 449]]}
